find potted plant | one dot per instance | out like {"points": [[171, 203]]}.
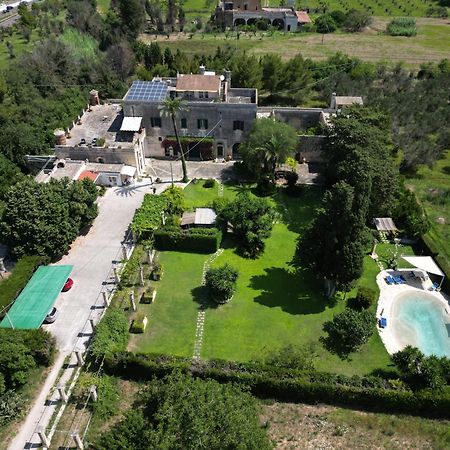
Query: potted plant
{"points": [[157, 272]]}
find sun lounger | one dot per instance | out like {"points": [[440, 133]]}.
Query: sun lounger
{"points": [[389, 281], [382, 322], [402, 278]]}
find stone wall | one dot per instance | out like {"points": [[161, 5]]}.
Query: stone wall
{"points": [[107, 155]]}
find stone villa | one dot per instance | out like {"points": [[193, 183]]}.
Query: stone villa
{"points": [[120, 134]]}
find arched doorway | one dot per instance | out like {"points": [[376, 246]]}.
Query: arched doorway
{"points": [[219, 150], [239, 23], [279, 23]]}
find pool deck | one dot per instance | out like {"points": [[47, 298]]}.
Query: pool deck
{"points": [[389, 292]]}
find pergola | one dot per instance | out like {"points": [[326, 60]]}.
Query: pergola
{"points": [[427, 264], [385, 224]]}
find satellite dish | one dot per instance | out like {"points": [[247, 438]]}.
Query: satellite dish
{"points": [[222, 78]]}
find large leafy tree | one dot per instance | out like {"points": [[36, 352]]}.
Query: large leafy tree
{"points": [[349, 330], [44, 219], [333, 245], [269, 144], [247, 72], [252, 219], [183, 413], [171, 107]]}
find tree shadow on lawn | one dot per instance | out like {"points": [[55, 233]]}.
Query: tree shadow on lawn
{"points": [[296, 292], [200, 296], [297, 212]]}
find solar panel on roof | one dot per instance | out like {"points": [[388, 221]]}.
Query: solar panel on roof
{"points": [[150, 91]]}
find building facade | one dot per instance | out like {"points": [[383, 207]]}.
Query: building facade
{"points": [[214, 122], [236, 13]]}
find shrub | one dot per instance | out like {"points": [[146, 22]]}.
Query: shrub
{"points": [[290, 385], [291, 178], [199, 240], [410, 215], [11, 405], [265, 187], [139, 323], [157, 272], [348, 331], [421, 371], [175, 200], [252, 219], [111, 334], [100, 142], [107, 390], [437, 11], [148, 218], [221, 282], [338, 16], [11, 287], [147, 296], [325, 24], [357, 20], [209, 183], [402, 26], [295, 190], [364, 299]]}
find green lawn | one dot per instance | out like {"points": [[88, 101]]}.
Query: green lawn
{"points": [[172, 317], [82, 45], [197, 196], [20, 45], [273, 306]]}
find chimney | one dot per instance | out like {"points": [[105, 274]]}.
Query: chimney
{"points": [[94, 98], [227, 75], [333, 101], [60, 137], [202, 69]]}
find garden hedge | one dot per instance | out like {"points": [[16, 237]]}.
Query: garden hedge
{"points": [[373, 393], [198, 240]]}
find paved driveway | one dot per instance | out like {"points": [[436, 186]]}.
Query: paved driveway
{"points": [[92, 256], [196, 169]]}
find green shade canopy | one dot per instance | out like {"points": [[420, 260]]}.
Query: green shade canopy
{"points": [[37, 298]]}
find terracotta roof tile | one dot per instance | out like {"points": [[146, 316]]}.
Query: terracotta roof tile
{"points": [[209, 83], [88, 174], [303, 17]]}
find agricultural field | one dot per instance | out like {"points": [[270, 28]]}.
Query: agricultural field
{"points": [[416, 8], [431, 44], [273, 306], [294, 426]]}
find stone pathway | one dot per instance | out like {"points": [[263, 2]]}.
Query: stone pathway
{"points": [[201, 313]]}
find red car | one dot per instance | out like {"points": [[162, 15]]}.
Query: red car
{"points": [[68, 285]]}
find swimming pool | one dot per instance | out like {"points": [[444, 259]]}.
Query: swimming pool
{"points": [[421, 320]]}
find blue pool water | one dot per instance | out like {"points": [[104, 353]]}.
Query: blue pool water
{"points": [[421, 320]]}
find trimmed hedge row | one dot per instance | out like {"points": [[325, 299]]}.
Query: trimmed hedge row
{"points": [[198, 240], [290, 385]]}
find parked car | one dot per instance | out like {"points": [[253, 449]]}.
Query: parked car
{"points": [[94, 142], [68, 285], [51, 316], [82, 141]]}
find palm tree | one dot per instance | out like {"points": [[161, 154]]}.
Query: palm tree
{"points": [[170, 108]]}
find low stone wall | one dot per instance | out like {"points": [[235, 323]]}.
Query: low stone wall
{"points": [[107, 155]]}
